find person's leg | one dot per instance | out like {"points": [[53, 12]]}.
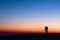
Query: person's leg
{"points": [[46, 31]]}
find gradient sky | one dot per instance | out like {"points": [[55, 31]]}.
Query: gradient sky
{"points": [[29, 15]]}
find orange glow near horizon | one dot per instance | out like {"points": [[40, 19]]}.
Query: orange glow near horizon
{"points": [[29, 26], [30, 29], [22, 29]]}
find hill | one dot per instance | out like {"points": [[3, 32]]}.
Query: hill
{"points": [[33, 36]]}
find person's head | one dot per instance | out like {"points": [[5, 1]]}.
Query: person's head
{"points": [[46, 29]]}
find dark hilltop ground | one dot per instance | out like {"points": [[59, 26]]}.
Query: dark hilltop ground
{"points": [[32, 36]]}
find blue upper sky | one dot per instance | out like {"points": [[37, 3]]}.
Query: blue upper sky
{"points": [[30, 9]]}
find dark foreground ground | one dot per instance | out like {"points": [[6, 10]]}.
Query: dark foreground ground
{"points": [[33, 36]]}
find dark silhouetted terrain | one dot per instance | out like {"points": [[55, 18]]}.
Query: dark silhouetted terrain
{"points": [[32, 36]]}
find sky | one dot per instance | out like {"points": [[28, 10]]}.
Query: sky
{"points": [[29, 15]]}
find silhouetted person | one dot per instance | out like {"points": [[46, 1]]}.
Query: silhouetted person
{"points": [[46, 29]]}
